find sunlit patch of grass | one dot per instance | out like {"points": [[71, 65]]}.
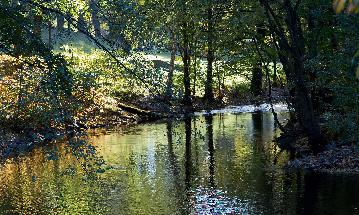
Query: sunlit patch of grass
{"points": [[74, 41], [151, 66]]}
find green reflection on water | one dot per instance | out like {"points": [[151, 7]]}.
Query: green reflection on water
{"points": [[51, 180], [214, 164]]}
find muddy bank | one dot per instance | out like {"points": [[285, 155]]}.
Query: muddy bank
{"points": [[332, 158]]}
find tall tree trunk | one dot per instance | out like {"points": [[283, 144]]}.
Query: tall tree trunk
{"points": [[37, 24], [208, 96], [186, 58], [186, 72], [257, 73], [81, 23], [313, 38], [117, 37], [169, 90], [223, 89], [275, 75], [14, 3], [49, 24], [94, 18], [60, 22], [17, 43], [257, 80], [194, 75], [68, 19], [312, 53], [111, 30]]}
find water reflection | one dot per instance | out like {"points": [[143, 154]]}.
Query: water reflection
{"points": [[214, 164], [56, 173], [209, 131], [188, 154]]}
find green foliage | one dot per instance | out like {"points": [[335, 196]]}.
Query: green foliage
{"points": [[240, 91], [42, 89], [34, 97], [333, 74]]}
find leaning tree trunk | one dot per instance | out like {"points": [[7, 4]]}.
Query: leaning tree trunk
{"points": [[292, 55], [304, 105]]}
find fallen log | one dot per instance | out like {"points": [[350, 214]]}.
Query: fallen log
{"points": [[145, 115]]}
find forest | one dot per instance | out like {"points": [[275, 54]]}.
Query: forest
{"points": [[75, 72]]}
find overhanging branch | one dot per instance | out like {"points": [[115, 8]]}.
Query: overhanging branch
{"points": [[74, 22]]}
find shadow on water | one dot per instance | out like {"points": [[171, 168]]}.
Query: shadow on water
{"points": [[214, 163]]}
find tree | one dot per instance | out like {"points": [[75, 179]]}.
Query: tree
{"points": [[14, 3], [94, 17], [81, 23], [210, 54], [292, 54], [185, 51], [60, 22], [173, 47]]}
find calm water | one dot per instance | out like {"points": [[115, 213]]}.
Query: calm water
{"points": [[221, 164]]}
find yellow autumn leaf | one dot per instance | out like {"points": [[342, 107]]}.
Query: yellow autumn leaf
{"points": [[339, 5], [352, 6]]}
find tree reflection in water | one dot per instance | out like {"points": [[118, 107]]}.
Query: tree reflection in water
{"points": [[212, 164]]}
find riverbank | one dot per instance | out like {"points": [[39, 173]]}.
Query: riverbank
{"points": [[336, 160], [15, 143], [342, 159]]}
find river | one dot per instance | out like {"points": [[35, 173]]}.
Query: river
{"points": [[219, 163]]}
